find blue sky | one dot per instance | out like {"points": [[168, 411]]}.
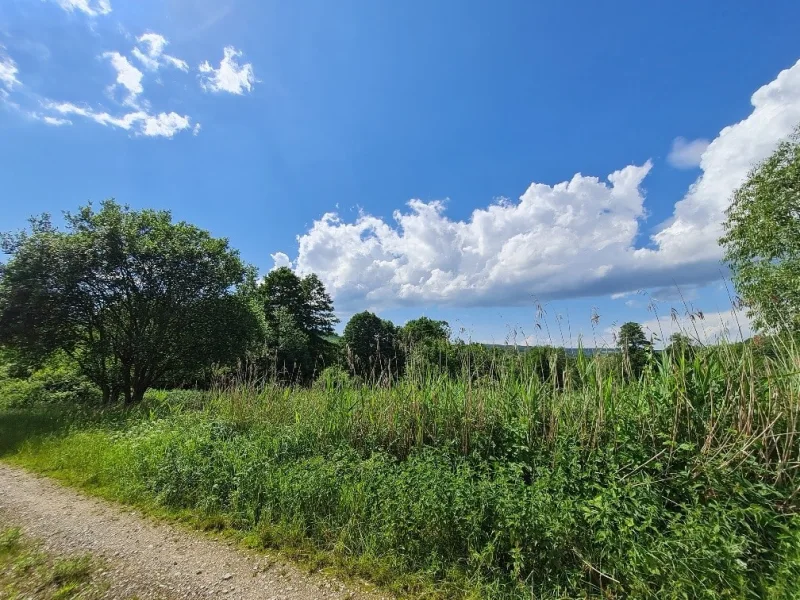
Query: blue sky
{"points": [[500, 122]]}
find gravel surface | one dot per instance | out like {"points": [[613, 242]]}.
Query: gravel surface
{"points": [[148, 559]]}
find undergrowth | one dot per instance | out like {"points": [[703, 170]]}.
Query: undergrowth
{"points": [[681, 483]]}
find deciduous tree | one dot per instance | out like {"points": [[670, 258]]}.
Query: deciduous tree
{"points": [[762, 239], [134, 297]]}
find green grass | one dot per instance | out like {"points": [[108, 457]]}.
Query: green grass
{"points": [[679, 484], [28, 572]]}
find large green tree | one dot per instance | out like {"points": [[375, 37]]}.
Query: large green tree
{"points": [[425, 330], [301, 310], [762, 239], [135, 298], [372, 346]]}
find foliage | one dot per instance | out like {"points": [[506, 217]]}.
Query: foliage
{"points": [[424, 330], [135, 298], [373, 346], [762, 239], [634, 345], [679, 484], [300, 318], [680, 344], [55, 380]]}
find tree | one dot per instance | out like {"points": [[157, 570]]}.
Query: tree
{"points": [[318, 318], [424, 330], [762, 239], [282, 288], [289, 345], [372, 346], [134, 298], [634, 345], [680, 344], [291, 302]]}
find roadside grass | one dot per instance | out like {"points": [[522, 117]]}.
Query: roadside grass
{"points": [[28, 572], [678, 483]]}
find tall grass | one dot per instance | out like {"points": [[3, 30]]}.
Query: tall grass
{"points": [[679, 483]]}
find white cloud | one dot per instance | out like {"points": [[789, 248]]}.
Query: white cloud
{"points": [[91, 8], [691, 234], [150, 52], [687, 154], [280, 259], [149, 63], [128, 76], [177, 62], [574, 238], [8, 71], [56, 121], [230, 76], [141, 122]]}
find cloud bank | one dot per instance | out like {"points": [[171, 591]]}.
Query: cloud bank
{"points": [[574, 238]]}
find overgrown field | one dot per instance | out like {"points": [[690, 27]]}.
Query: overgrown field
{"points": [[679, 484]]}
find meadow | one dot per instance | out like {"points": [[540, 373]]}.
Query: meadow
{"points": [[586, 481]]}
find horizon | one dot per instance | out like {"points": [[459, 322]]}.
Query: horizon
{"points": [[488, 166]]}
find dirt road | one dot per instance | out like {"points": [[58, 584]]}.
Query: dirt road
{"points": [[148, 559]]}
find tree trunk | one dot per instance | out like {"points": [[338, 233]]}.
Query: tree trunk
{"points": [[138, 392], [127, 387]]}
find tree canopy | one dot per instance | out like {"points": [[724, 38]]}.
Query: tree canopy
{"points": [[634, 344], [134, 297], [372, 345], [299, 315], [425, 329], [762, 239]]}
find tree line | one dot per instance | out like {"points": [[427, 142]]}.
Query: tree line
{"points": [[137, 300]]}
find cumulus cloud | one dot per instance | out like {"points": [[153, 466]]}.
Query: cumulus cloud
{"points": [[140, 122], [92, 8], [230, 77], [280, 260], [150, 52], [687, 154], [8, 71], [574, 238], [128, 76]]}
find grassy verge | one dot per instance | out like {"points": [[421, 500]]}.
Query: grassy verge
{"points": [[28, 572], [680, 484]]}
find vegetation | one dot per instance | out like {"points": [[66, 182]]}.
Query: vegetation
{"points": [[681, 483], [134, 298], [27, 572], [373, 346], [300, 318], [762, 239]]}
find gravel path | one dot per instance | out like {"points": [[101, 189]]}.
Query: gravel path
{"points": [[148, 559]]}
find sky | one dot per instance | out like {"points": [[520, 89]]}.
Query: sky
{"points": [[531, 172]]}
